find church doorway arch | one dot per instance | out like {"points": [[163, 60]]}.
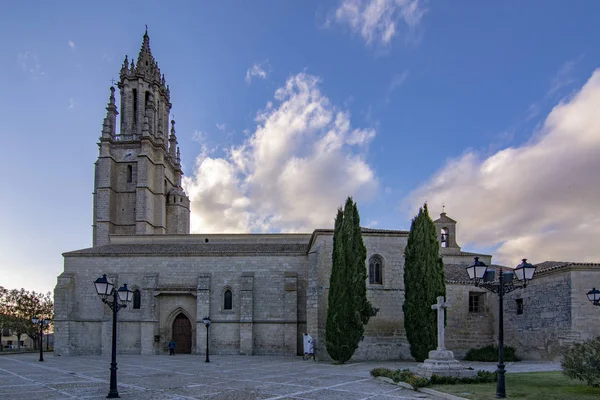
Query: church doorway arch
{"points": [[182, 334]]}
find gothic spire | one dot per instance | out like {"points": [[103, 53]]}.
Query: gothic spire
{"points": [[146, 64], [110, 121]]}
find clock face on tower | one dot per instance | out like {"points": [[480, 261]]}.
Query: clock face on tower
{"points": [[128, 154]]}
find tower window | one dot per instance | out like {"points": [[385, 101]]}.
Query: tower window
{"points": [[135, 105], [376, 270], [147, 98], [129, 173], [227, 300], [444, 238], [137, 299]]}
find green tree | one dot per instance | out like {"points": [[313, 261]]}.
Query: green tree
{"points": [[18, 306], [348, 308], [423, 283]]}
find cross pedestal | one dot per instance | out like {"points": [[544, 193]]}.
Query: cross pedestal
{"points": [[441, 362]]}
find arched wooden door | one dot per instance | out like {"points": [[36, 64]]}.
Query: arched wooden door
{"points": [[182, 334]]}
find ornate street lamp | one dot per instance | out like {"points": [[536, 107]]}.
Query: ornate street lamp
{"points": [[206, 321], [41, 323], [594, 296], [120, 298], [482, 277]]}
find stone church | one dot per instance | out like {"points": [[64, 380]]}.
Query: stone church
{"points": [[261, 291]]}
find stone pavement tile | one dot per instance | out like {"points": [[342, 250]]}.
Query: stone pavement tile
{"points": [[198, 391], [402, 396], [30, 386], [368, 387], [44, 394], [323, 381], [14, 380], [281, 390], [330, 394]]}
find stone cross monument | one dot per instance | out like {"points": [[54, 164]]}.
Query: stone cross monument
{"points": [[439, 306], [441, 361]]}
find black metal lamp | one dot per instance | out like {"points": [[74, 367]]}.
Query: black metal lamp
{"points": [[104, 287], [125, 295], [481, 276], [525, 271], [120, 299], [206, 321], [477, 271], [41, 323], [594, 296]]}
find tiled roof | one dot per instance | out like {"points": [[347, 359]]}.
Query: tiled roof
{"points": [[191, 249], [553, 265], [456, 273]]}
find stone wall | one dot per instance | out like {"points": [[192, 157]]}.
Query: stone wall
{"points": [[269, 307], [384, 334], [556, 313], [464, 329]]}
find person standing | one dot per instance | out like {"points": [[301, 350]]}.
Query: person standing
{"points": [[172, 347]]}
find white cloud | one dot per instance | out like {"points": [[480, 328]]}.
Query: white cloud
{"points": [[71, 44], [258, 70], [300, 163], [564, 76], [397, 81], [378, 21], [30, 64], [72, 104], [538, 200]]}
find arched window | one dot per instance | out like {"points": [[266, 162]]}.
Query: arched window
{"points": [[376, 270], [227, 300], [129, 173], [444, 237], [137, 299]]}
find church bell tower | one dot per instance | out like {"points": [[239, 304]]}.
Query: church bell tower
{"points": [[137, 185]]}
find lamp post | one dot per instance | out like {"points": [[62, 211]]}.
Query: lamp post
{"points": [[206, 321], [120, 298], [41, 323], [594, 296], [482, 277]]}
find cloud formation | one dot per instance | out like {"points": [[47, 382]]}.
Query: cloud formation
{"points": [[300, 163], [378, 21], [257, 70], [30, 64], [538, 200], [71, 44]]}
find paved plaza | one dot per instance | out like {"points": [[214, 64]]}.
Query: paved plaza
{"points": [[22, 376]]}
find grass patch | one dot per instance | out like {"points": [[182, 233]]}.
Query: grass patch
{"points": [[530, 386]]}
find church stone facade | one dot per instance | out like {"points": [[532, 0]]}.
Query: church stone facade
{"points": [[261, 291]]}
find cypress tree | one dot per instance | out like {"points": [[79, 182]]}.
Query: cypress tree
{"points": [[423, 283], [348, 308]]}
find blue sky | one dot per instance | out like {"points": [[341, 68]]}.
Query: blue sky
{"points": [[284, 108]]}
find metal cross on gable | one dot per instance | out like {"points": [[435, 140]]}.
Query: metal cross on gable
{"points": [[112, 81]]}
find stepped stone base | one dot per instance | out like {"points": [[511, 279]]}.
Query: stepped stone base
{"points": [[442, 363]]}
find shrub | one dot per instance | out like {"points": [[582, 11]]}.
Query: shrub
{"points": [[417, 381], [482, 377], [490, 353], [582, 361]]}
